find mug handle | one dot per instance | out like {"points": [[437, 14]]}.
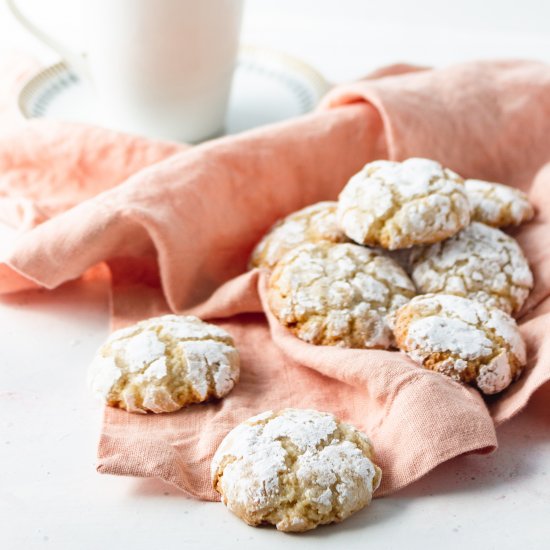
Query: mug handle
{"points": [[75, 60]]}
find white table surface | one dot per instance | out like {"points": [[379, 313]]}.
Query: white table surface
{"points": [[50, 493]]}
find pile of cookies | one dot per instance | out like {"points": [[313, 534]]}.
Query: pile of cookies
{"points": [[409, 257]]}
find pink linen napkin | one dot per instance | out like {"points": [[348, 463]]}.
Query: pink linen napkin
{"points": [[173, 233]]}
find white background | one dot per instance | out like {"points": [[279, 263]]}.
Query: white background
{"points": [[50, 494]]}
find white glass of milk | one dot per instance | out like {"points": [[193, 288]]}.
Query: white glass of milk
{"points": [[161, 68]]}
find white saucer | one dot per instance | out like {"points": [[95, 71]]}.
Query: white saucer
{"points": [[268, 86]]}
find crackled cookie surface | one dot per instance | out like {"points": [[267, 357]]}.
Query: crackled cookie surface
{"points": [[163, 364], [401, 204], [311, 224], [338, 294], [481, 263], [295, 469], [461, 338], [496, 204]]}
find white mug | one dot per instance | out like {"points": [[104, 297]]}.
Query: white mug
{"points": [[161, 68]]}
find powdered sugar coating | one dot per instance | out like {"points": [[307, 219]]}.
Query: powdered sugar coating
{"points": [[439, 333], [495, 376], [497, 205], [400, 204], [311, 224], [141, 349], [481, 263], [105, 375], [461, 338], [165, 363], [295, 469], [338, 294]]}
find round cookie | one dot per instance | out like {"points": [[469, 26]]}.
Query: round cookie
{"points": [[163, 364], [295, 469], [461, 338], [338, 294], [481, 263], [311, 224], [497, 205], [401, 204]]}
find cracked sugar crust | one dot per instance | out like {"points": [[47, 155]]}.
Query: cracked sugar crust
{"points": [[338, 294], [463, 339], [481, 263], [311, 224], [163, 364], [401, 204], [295, 469], [497, 205]]}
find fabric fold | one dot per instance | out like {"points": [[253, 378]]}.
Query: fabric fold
{"points": [[486, 119], [204, 209]]}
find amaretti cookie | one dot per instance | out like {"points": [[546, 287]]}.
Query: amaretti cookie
{"points": [[497, 205], [481, 263], [338, 294], [295, 469], [311, 224], [461, 338], [401, 204], [163, 364]]}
